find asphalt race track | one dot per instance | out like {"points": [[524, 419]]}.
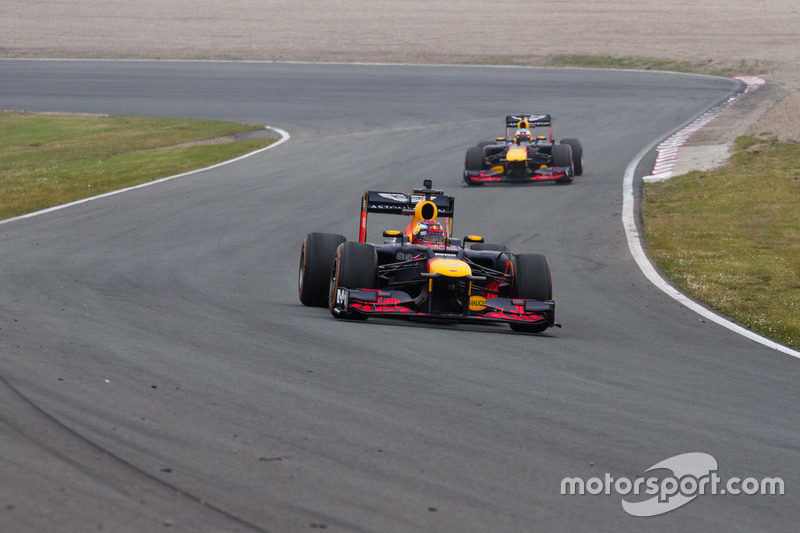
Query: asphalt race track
{"points": [[158, 371]]}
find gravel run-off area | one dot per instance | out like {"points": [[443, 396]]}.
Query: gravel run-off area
{"points": [[757, 37]]}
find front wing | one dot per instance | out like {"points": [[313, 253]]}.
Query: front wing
{"points": [[398, 304], [539, 174]]}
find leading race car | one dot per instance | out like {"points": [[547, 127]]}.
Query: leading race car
{"points": [[424, 273], [521, 157]]}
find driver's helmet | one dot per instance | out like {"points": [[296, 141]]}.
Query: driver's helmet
{"points": [[428, 232], [522, 135]]}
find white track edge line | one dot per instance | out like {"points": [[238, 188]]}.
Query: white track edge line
{"points": [[284, 137], [647, 268]]}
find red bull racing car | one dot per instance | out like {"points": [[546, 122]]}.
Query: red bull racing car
{"points": [[422, 272], [522, 157]]}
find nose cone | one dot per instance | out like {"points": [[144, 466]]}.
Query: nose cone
{"points": [[452, 268], [517, 153]]}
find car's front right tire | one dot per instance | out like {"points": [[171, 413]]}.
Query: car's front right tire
{"points": [[474, 160], [316, 258], [355, 266]]}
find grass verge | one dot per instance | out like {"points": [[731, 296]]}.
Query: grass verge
{"points": [[52, 159], [709, 67], [731, 236]]}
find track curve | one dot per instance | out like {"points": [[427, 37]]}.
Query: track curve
{"points": [[160, 329]]}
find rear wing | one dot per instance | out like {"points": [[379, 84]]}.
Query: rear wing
{"points": [[398, 203], [513, 122], [534, 121]]}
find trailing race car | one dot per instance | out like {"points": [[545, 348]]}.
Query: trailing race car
{"points": [[422, 272], [521, 157]]}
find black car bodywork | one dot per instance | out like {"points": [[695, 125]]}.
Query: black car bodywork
{"points": [[539, 159], [460, 280]]}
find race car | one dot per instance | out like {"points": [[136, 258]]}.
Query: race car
{"points": [[421, 272], [522, 157]]}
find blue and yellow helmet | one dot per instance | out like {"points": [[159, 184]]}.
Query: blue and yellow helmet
{"points": [[523, 135]]}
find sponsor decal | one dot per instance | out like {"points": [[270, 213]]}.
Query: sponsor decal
{"points": [[373, 207], [476, 303], [419, 197], [394, 196], [342, 297]]}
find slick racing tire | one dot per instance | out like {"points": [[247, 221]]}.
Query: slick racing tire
{"points": [[577, 154], [474, 158], [355, 266], [532, 280], [316, 258], [562, 157]]}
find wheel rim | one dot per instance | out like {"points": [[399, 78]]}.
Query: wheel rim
{"points": [[302, 270], [332, 287]]}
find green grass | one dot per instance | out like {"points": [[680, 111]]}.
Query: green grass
{"points": [[711, 67], [52, 159], [741, 68], [731, 236], [728, 237]]}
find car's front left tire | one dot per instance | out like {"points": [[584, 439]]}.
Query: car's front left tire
{"points": [[532, 281], [577, 154], [562, 157]]}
